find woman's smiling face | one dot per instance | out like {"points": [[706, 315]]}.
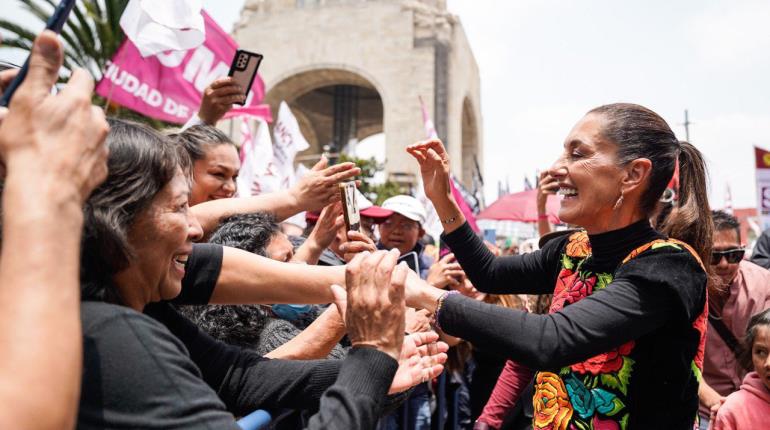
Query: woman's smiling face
{"points": [[589, 176], [161, 238], [215, 174]]}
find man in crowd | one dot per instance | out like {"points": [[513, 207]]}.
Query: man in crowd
{"points": [[761, 253], [745, 291]]}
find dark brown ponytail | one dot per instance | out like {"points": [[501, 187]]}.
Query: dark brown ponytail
{"points": [[690, 219]]}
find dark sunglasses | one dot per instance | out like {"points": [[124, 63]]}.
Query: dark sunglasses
{"points": [[732, 255]]}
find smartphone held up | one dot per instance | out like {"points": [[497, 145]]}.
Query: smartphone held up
{"points": [[350, 206], [244, 69], [55, 23]]}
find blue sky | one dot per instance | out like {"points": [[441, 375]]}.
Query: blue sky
{"points": [[544, 63]]}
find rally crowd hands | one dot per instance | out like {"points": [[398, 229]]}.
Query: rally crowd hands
{"points": [[357, 243], [374, 314], [434, 169], [375, 301], [446, 272], [38, 125], [319, 187], [218, 99]]}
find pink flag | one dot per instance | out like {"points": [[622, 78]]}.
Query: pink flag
{"points": [[430, 132], [168, 86]]}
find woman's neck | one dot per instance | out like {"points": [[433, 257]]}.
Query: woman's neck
{"points": [[131, 289], [610, 247]]}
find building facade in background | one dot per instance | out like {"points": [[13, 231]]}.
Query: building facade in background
{"points": [[350, 69]]}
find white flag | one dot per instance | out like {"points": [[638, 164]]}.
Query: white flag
{"points": [[258, 174], [298, 219], [288, 142], [432, 222], [169, 25]]}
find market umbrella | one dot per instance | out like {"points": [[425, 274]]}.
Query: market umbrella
{"points": [[521, 207]]}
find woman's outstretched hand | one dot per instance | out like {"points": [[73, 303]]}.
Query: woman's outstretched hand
{"points": [[422, 359], [434, 168]]}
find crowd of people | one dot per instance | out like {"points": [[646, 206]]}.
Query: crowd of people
{"points": [[174, 304]]}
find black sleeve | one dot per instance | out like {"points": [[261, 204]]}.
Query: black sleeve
{"points": [[647, 292], [357, 399], [761, 253], [137, 375], [246, 381], [532, 273], [200, 274]]}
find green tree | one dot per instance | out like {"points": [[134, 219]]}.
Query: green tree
{"points": [[377, 193], [91, 35]]}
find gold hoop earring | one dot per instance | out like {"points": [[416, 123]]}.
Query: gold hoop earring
{"points": [[618, 203]]}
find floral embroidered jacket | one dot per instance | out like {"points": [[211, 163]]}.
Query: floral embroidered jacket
{"points": [[628, 356]]}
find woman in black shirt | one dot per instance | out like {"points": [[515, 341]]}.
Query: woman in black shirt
{"points": [[623, 345], [146, 366]]}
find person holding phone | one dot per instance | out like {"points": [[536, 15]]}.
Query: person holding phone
{"points": [[42, 204]]}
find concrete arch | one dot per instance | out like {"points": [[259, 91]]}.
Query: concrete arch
{"points": [[310, 92], [304, 79]]}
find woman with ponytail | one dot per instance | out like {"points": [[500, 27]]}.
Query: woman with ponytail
{"points": [[622, 346]]}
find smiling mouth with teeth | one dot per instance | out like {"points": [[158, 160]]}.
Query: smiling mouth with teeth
{"points": [[181, 260], [567, 192]]}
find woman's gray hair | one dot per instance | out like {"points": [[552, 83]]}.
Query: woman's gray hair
{"points": [[141, 163]]}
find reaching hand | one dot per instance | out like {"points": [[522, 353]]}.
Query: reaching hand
{"points": [[446, 272], [318, 188], [417, 320], [326, 227], [59, 137], [218, 99], [357, 242], [375, 301], [422, 358], [434, 167]]}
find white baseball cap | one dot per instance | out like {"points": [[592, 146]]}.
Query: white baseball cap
{"points": [[407, 206]]}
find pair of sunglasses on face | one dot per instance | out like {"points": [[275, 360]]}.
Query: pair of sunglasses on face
{"points": [[733, 256]]}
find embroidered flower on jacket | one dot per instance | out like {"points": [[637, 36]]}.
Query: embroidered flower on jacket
{"points": [[553, 410]]}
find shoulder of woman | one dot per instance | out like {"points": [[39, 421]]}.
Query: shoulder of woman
{"points": [[671, 258], [108, 327], [137, 374], [672, 269]]}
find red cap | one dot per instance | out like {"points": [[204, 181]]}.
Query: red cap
{"points": [[379, 214], [312, 216]]}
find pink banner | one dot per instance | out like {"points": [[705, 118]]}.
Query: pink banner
{"points": [[168, 86]]}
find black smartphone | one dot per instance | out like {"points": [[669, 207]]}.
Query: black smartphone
{"points": [[350, 206], [55, 23], [244, 69], [411, 261]]}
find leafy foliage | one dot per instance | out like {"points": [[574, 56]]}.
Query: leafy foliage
{"points": [[377, 193], [91, 35]]}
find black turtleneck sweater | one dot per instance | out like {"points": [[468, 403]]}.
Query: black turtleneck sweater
{"points": [[653, 299]]}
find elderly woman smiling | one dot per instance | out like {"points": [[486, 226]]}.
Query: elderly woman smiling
{"points": [[622, 347], [146, 366]]}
